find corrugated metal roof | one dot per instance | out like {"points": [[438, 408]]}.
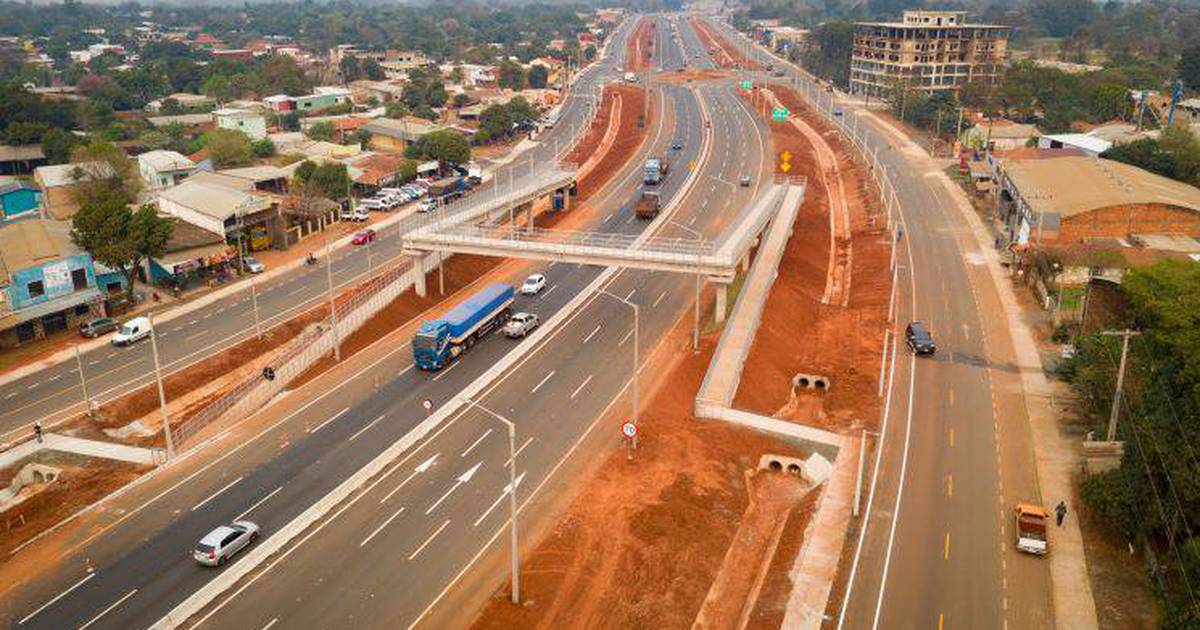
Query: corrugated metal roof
{"points": [[33, 242], [1068, 186]]}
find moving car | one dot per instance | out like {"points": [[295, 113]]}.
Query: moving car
{"points": [[132, 331], [744, 180], [363, 237], [919, 339], [533, 284], [96, 327], [224, 542], [520, 325], [252, 265], [677, 145]]}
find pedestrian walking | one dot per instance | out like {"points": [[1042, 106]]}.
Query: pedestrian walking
{"points": [[1060, 512], [37, 431]]}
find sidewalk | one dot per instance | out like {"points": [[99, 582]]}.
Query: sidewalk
{"points": [[79, 446]]}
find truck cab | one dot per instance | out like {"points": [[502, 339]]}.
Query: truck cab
{"points": [[648, 205], [441, 341], [1031, 528]]}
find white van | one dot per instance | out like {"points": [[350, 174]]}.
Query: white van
{"points": [[357, 214], [132, 331]]}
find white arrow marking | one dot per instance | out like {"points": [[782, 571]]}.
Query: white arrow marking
{"points": [[463, 478], [507, 489], [422, 467]]}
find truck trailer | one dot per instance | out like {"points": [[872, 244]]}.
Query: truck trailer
{"points": [[440, 341], [655, 171], [648, 206]]}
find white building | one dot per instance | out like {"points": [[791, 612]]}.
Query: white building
{"points": [[250, 123], [164, 169]]}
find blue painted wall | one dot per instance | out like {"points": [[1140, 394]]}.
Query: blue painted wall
{"points": [[51, 275], [19, 201]]}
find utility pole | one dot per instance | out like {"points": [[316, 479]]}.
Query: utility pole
{"points": [[1116, 405], [87, 403], [337, 343], [254, 303], [162, 395]]}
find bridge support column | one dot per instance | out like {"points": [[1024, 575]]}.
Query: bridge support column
{"points": [[745, 263], [419, 268], [722, 302]]}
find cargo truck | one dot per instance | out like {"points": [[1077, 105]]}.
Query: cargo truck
{"points": [[648, 206], [441, 341], [655, 170], [447, 188], [1031, 528]]}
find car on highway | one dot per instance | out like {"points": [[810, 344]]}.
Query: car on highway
{"points": [[132, 331], [222, 543], [744, 180], [919, 338], [251, 264], [95, 327], [837, 112], [520, 325], [363, 237], [533, 284], [677, 145]]}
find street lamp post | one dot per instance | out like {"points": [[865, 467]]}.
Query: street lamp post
{"points": [[512, 498], [162, 395], [254, 304], [87, 403], [636, 355], [696, 318], [337, 344]]}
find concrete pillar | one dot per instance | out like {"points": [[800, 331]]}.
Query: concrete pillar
{"points": [[745, 263], [420, 268], [722, 299]]}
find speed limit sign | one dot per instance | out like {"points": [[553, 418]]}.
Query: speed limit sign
{"points": [[629, 429], [427, 404]]}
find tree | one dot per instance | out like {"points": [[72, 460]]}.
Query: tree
{"points": [[329, 180], [1184, 149], [373, 71], [1145, 154], [119, 237], [538, 76], [1189, 66], [57, 145], [228, 148], [395, 109], [1061, 18], [102, 169], [263, 148], [829, 55], [217, 87], [511, 76], [350, 68], [321, 131], [1107, 101], [445, 145], [289, 121]]}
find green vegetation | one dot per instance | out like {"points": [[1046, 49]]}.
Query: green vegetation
{"points": [[227, 148], [1175, 154], [446, 146], [329, 180], [119, 237], [500, 121]]}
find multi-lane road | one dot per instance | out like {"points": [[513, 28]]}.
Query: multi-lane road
{"points": [[957, 453], [385, 557]]}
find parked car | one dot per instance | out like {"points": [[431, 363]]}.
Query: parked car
{"points": [[520, 325], [370, 204], [533, 284], [363, 237], [359, 213], [919, 339], [251, 264], [96, 327], [744, 180], [428, 205], [222, 543], [132, 331]]}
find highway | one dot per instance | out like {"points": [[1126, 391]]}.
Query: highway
{"points": [[52, 393], [140, 565], [957, 454]]}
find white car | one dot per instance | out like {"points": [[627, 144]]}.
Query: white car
{"points": [[370, 204], [428, 205], [520, 325], [252, 265], [224, 542], [533, 284], [132, 331]]}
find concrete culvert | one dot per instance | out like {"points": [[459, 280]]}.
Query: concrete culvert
{"points": [[776, 464], [794, 469], [820, 383], [803, 382]]}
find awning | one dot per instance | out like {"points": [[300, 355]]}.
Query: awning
{"points": [[184, 259], [63, 303]]}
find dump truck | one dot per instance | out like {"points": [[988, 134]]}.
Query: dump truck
{"points": [[655, 170], [448, 187], [1031, 528], [443, 340], [648, 206]]}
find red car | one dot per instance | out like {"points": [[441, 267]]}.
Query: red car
{"points": [[363, 237]]}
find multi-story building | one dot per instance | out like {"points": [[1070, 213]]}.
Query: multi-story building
{"points": [[926, 51]]}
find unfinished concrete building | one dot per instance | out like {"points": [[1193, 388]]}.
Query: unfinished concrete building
{"points": [[926, 51]]}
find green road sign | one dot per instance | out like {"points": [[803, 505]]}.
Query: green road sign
{"points": [[746, 85], [780, 114]]}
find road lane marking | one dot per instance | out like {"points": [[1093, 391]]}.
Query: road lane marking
{"points": [[692, 221], [94, 362], [625, 338], [32, 386], [429, 540], [629, 297], [541, 382], [589, 336], [949, 485], [951, 437], [458, 482], [548, 291], [946, 547], [380, 528], [11, 395], [194, 335], [371, 424], [108, 610], [941, 620], [55, 377], [420, 468], [951, 392], [500, 498], [271, 624], [608, 218], [297, 290], [258, 503], [658, 299], [331, 419], [445, 371], [476, 443], [581, 386], [215, 495], [519, 449], [404, 371], [56, 598]]}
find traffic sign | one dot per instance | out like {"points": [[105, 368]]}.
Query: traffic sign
{"points": [[746, 85], [785, 167], [785, 156], [427, 404], [629, 429], [780, 114]]}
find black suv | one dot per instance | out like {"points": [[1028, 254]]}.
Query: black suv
{"points": [[97, 327], [918, 338]]}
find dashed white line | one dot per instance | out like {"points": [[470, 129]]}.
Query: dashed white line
{"points": [[258, 503], [520, 448], [625, 338], [384, 524], [476, 443], [581, 386], [445, 371], [658, 299], [10, 395], [608, 218], [630, 296], [215, 495], [32, 386], [371, 424], [548, 291], [271, 624], [428, 540], [56, 598], [541, 382], [55, 377], [108, 610], [591, 334], [331, 419]]}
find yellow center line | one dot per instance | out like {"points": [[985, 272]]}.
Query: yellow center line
{"points": [[949, 485], [941, 620], [951, 437], [946, 547], [951, 391]]}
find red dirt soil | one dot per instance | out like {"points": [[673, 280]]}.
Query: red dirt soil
{"points": [[725, 54], [639, 48]]}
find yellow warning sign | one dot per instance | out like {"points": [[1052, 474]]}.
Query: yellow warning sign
{"points": [[786, 156], [692, 165], [785, 167]]}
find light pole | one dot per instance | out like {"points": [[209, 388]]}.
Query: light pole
{"points": [[254, 304], [162, 395], [337, 344], [87, 403], [696, 319], [636, 355], [512, 498]]}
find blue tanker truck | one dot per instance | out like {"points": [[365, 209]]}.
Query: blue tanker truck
{"points": [[440, 341]]}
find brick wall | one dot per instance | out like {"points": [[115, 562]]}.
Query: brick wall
{"points": [[1121, 221]]}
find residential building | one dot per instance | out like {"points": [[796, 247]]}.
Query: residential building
{"points": [[47, 284], [1090, 145], [372, 171], [190, 254], [1000, 135], [220, 206], [183, 99], [18, 199], [60, 184], [164, 169], [193, 123], [321, 98], [927, 51], [1075, 199], [21, 159], [251, 123], [390, 135]]}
